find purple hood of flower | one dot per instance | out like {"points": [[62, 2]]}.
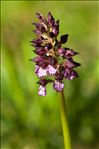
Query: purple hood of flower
{"points": [[52, 59]]}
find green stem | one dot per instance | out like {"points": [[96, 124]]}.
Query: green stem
{"points": [[66, 135]]}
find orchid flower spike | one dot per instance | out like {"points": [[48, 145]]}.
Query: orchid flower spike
{"points": [[52, 59]]}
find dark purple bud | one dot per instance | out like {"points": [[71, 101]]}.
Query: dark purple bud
{"points": [[37, 59], [70, 63], [55, 30], [36, 24], [72, 75], [42, 38], [43, 29], [53, 61], [62, 70], [43, 63], [49, 46], [59, 76], [67, 72], [50, 19], [57, 44], [40, 16], [64, 38], [37, 42], [40, 27], [43, 82], [51, 34], [40, 51], [77, 64], [69, 52], [40, 61], [37, 32]]}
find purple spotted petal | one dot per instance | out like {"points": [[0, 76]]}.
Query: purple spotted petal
{"points": [[58, 86], [40, 71], [51, 70], [42, 90]]}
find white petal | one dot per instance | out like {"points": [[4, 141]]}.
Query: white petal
{"points": [[58, 86], [40, 71], [42, 91], [51, 70]]}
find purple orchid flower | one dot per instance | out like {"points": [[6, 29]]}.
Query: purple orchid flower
{"points": [[49, 52]]}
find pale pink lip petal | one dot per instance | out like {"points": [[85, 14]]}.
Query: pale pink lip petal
{"points": [[51, 70], [58, 86], [40, 71], [42, 90]]}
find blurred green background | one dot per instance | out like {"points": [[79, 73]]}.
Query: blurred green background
{"points": [[32, 122]]}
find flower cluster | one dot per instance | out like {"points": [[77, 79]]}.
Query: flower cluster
{"points": [[53, 62]]}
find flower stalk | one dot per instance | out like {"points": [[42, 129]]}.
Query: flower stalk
{"points": [[54, 63], [64, 119]]}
